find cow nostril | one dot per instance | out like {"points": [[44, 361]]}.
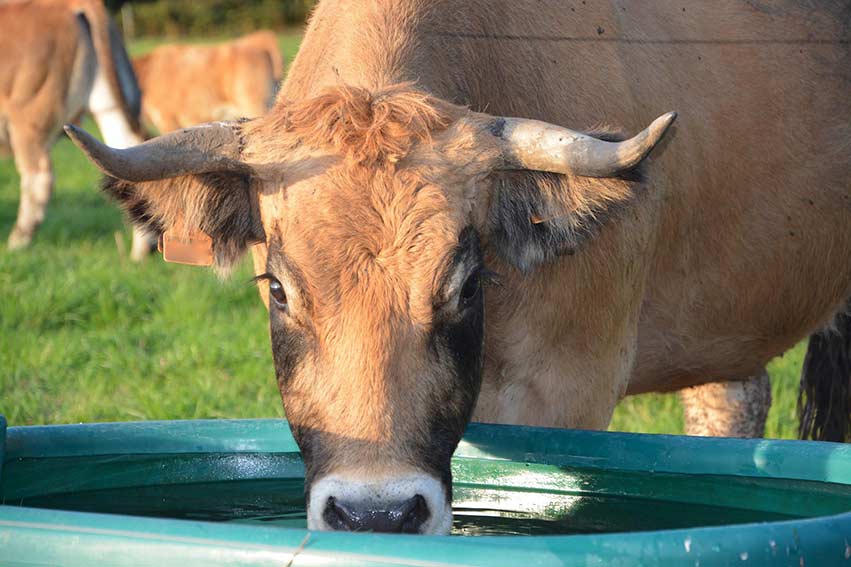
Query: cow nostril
{"points": [[336, 516], [398, 517], [415, 516]]}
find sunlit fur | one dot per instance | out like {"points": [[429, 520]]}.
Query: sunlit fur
{"points": [[375, 159], [368, 128]]}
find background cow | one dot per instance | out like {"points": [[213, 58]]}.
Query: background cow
{"points": [[184, 85], [57, 59], [267, 41], [380, 198]]}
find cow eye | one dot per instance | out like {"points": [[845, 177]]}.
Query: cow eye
{"points": [[276, 291], [471, 288]]}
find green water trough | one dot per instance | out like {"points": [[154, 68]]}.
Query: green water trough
{"points": [[224, 492]]}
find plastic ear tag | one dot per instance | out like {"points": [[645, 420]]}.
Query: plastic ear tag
{"points": [[535, 219], [183, 246], [538, 220]]}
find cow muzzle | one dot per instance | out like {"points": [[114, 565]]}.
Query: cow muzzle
{"points": [[414, 504]]}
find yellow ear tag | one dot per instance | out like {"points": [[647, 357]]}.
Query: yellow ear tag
{"points": [[183, 246]]}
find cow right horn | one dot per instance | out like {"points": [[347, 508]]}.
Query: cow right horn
{"points": [[206, 148], [540, 146]]}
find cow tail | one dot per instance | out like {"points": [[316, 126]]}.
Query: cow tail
{"points": [[824, 399], [127, 80], [100, 24]]}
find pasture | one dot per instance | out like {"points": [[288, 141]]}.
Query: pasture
{"points": [[86, 335]]}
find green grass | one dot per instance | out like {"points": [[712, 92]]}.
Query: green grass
{"points": [[90, 336], [86, 335]]}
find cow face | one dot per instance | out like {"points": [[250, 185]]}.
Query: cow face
{"points": [[377, 350], [374, 273], [373, 210]]}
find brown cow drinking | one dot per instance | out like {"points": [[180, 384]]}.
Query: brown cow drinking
{"points": [[389, 185]]}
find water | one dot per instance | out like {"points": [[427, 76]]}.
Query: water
{"points": [[546, 501], [491, 497]]}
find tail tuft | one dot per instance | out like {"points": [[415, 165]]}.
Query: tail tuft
{"points": [[824, 399]]}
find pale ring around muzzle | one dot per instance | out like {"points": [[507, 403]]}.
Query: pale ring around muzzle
{"points": [[414, 503]]}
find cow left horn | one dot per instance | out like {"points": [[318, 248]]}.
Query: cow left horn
{"points": [[201, 149], [540, 146]]}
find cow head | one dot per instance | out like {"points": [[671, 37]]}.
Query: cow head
{"points": [[375, 210]]}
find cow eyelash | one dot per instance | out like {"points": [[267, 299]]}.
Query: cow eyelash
{"points": [[265, 276], [276, 293], [489, 277]]}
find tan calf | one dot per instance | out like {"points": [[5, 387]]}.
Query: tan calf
{"points": [[267, 41], [184, 85]]}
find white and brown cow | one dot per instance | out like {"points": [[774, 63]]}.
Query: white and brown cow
{"points": [[426, 259], [59, 58], [185, 85]]}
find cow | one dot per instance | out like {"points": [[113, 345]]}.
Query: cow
{"points": [[435, 244], [184, 85], [267, 41], [57, 59]]}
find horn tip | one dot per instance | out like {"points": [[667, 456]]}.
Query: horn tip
{"points": [[667, 119], [71, 130], [78, 135], [660, 126]]}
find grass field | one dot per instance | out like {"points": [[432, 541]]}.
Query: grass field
{"points": [[86, 335]]}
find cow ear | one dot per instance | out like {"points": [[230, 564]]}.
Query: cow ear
{"points": [[222, 205], [536, 217]]}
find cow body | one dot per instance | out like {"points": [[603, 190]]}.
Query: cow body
{"points": [[184, 85], [266, 40], [59, 58], [752, 194], [377, 203]]}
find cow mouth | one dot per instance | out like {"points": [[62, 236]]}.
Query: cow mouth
{"points": [[413, 504]]}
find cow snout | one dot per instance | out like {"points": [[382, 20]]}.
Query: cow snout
{"points": [[414, 504], [407, 517]]}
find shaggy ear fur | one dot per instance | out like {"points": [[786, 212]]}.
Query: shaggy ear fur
{"points": [[220, 204], [535, 217]]}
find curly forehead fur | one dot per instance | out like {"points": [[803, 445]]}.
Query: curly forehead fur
{"points": [[369, 128]]}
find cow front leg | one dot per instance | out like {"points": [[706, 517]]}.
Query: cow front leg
{"points": [[143, 243], [727, 409], [118, 132], [32, 159]]}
